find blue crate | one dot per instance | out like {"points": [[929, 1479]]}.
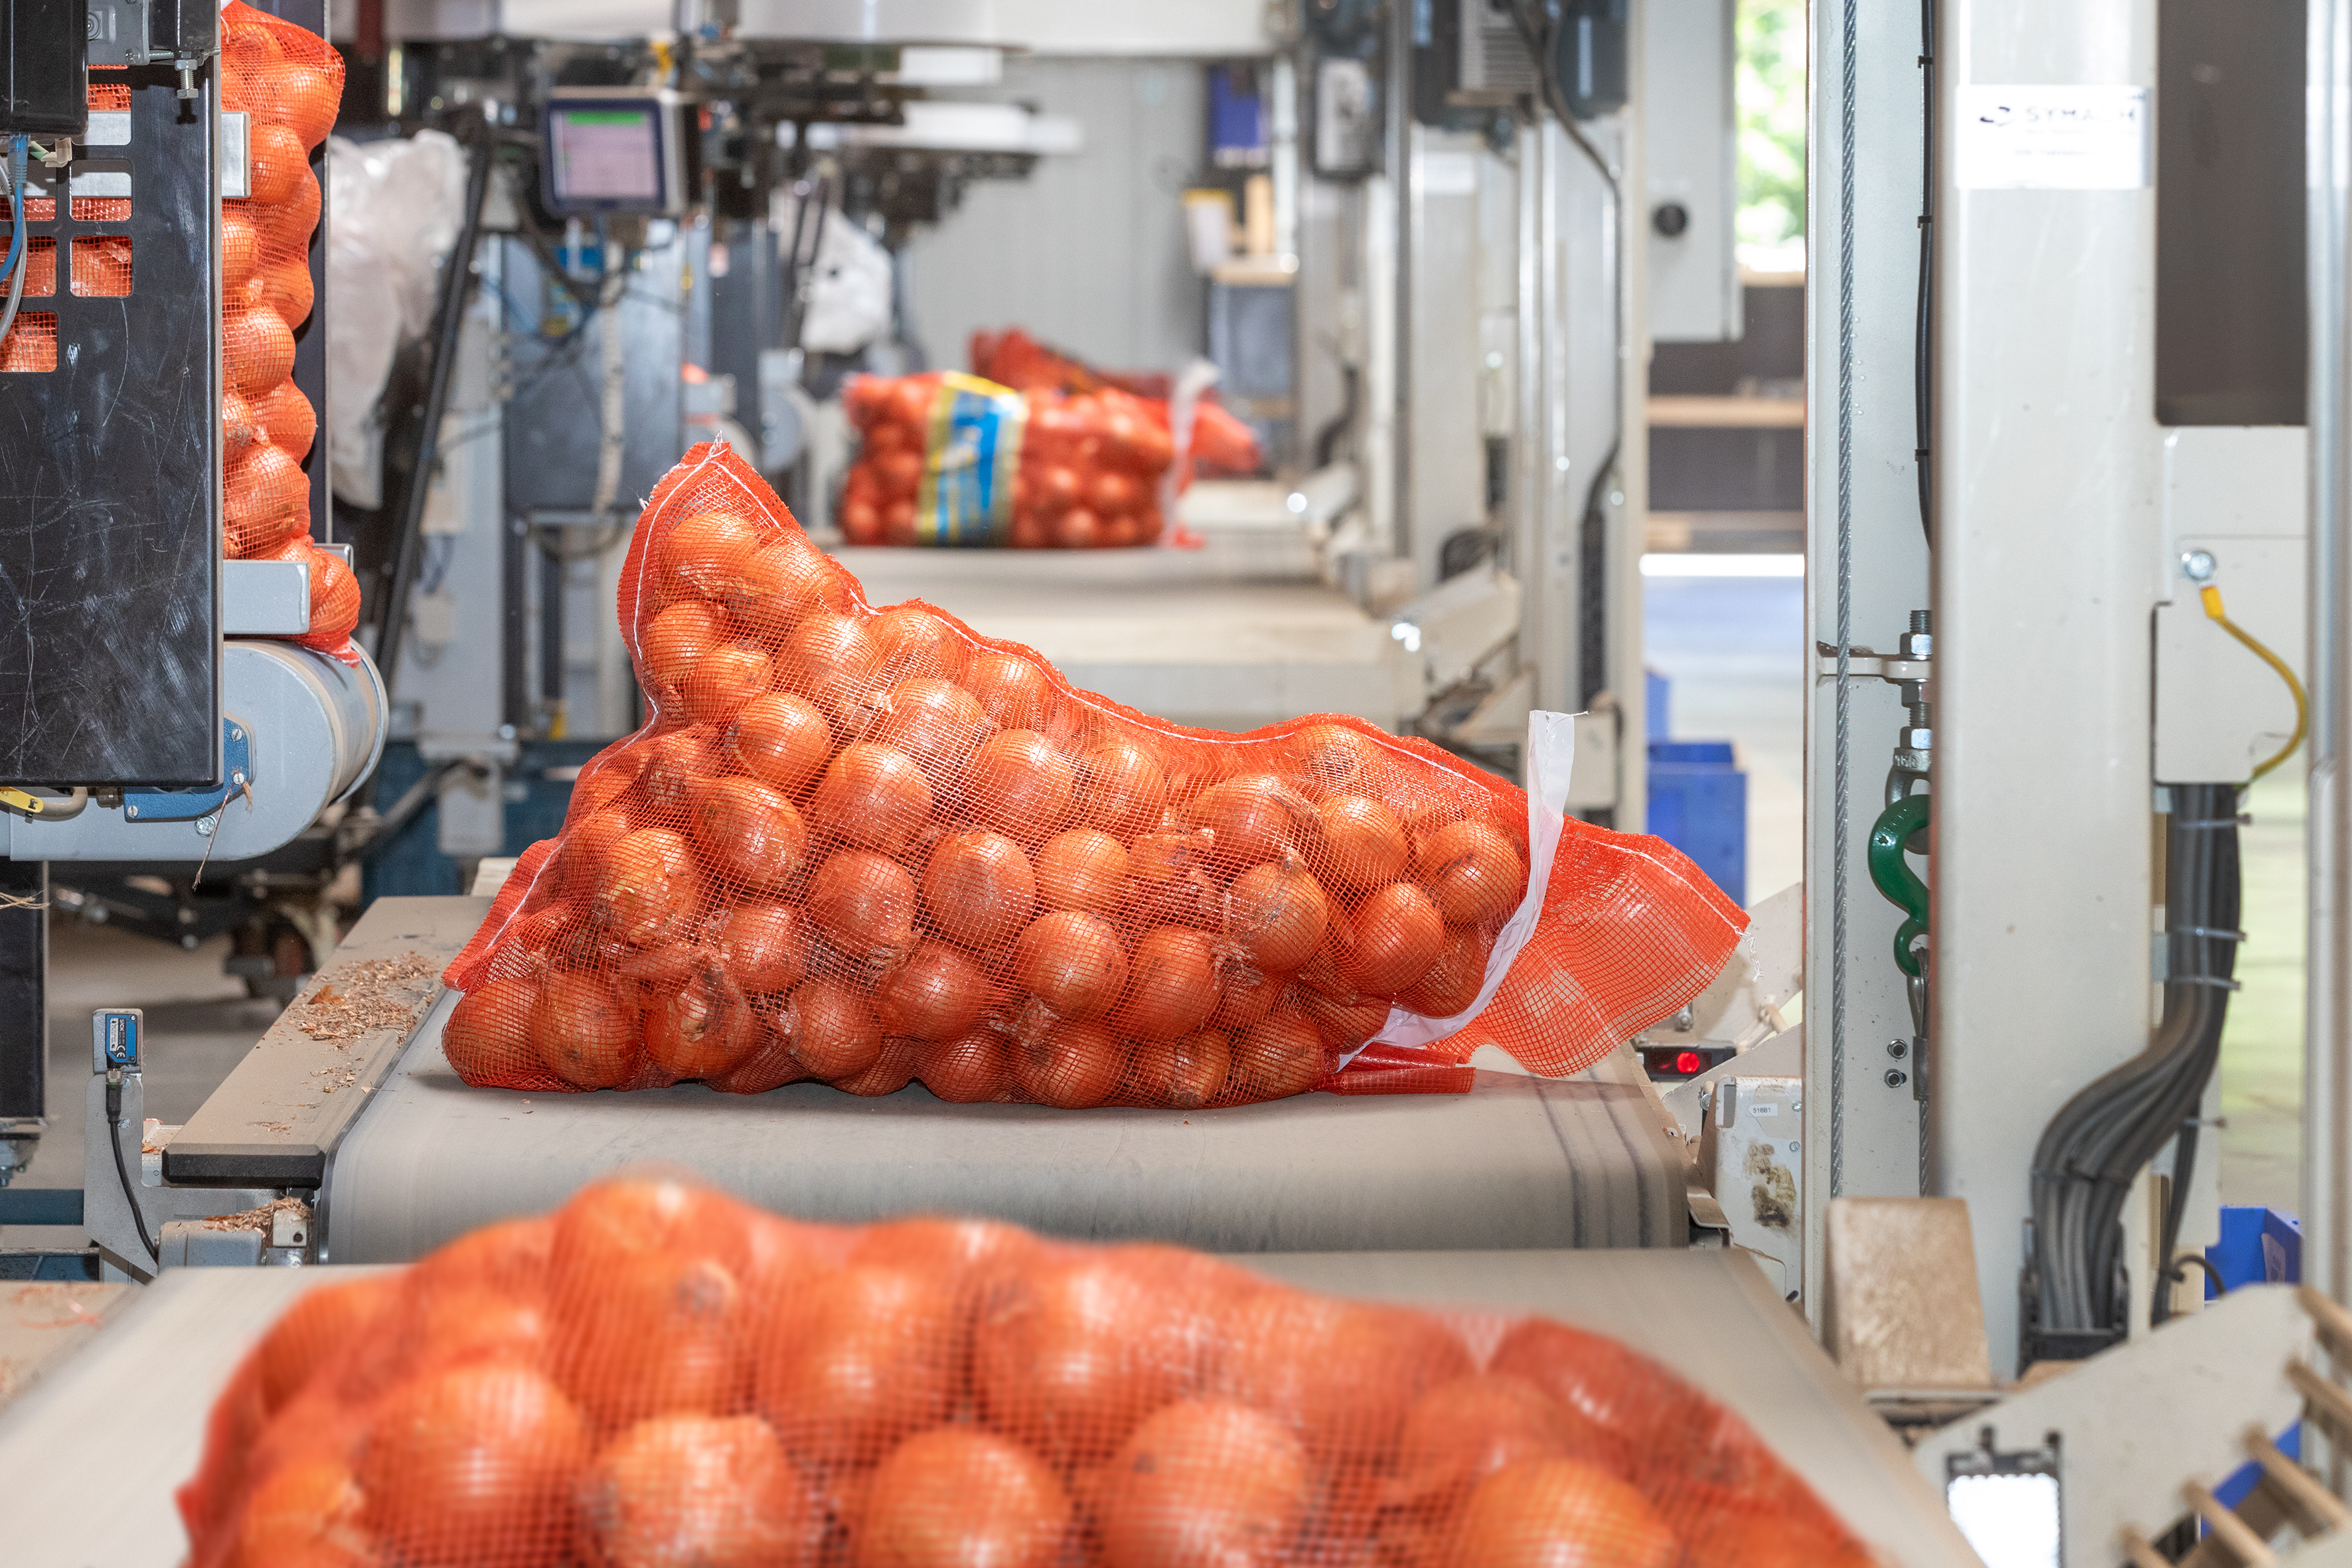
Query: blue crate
{"points": [[1698, 804], [2257, 1245]]}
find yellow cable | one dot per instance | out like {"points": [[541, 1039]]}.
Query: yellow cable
{"points": [[2212, 597]]}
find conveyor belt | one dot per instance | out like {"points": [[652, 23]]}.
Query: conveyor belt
{"points": [[1517, 1162], [92, 1454]]}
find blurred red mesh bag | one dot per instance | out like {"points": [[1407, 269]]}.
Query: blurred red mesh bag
{"points": [[1220, 442], [866, 844], [948, 458], [657, 1375], [290, 81]]}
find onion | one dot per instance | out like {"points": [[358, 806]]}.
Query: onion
{"points": [[1335, 760], [1078, 528], [1081, 869], [831, 1028], [1473, 870], [1360, 842], [1459, 1433], [682, 1490], [587, 851], [676, 768], [935, 721], [1248, 996], [748, 834], [642, 976], [673, 643], [979, 889], [1072, 963], [1070, 1066], [1520, 1516], [1343, 1023], [782, 740], [1348, 1397], [1182, 1075], [850, 1363], [702, 1030], [1398, 935], [970, 1070], [582, 1033], [1277, 913], [1277, 1056], [1121, 788], [763, 947], [1014, 690], [1207, 1482], [1454, 981], [726, 677], [707, 551], [959, 1497], [1168, 884], [1255, 817], [829, 660], [937, 994], [873, 796], [893, 1070], [1074, 1355], [1171, 986], [488, 1035], [916, 640], [866, 904], [649, 883], [779, 584], [1020, 784]]}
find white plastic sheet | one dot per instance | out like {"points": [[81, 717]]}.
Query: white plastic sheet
{"points": [[393, 207]]}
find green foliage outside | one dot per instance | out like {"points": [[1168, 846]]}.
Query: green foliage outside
{"points": [[1770, 91]]}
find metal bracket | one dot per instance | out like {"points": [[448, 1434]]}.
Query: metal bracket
{"points": [[1863, 664], [190, 805]]}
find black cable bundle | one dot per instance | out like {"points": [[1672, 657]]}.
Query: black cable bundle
{"points": [[2093, 1149]]}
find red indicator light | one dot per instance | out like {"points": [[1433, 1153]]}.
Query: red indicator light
{"points": [[1689, 1062]]}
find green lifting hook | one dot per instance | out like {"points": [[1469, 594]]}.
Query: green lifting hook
{"points": [[1893, 877]]}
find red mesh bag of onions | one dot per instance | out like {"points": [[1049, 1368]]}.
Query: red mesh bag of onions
{"points": [[289, 81], [657, 1376], [866, 846]]}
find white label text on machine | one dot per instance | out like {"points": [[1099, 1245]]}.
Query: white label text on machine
{"points": [[2046, 138]]}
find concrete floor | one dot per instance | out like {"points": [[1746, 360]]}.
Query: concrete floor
{"points": [[199, 1023]]}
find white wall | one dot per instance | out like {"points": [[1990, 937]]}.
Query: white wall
{"points": [[1089, 252]]}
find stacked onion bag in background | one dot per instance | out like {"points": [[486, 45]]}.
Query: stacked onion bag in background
{"points": [[291, 82], [1218, 441], [657, 1376], [867, 845], [948, 458]]}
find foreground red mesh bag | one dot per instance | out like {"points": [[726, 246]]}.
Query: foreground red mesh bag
{"points": [[290, 81], [869, 846], [657, 1375], [947, 458]]}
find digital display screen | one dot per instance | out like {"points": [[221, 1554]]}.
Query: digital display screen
{"points": [[607, 154]]}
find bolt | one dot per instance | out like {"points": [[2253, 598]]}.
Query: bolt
{"points": [[2199, 566], [1896, 1049], [1895, 1078]]}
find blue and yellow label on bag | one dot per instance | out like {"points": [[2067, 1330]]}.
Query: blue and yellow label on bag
{"points": [[971, 454]]}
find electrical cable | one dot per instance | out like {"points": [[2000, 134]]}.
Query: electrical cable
{"points": [[2211, 598], [1923, 348], [16, 268], [114, 1136]]}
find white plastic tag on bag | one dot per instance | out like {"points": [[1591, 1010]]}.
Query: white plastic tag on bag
{"points": [[1551, 752]]}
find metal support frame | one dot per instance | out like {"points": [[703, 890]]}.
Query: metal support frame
{"points": [[2049, 488], [1861, 1134], [2327, 1060]]}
